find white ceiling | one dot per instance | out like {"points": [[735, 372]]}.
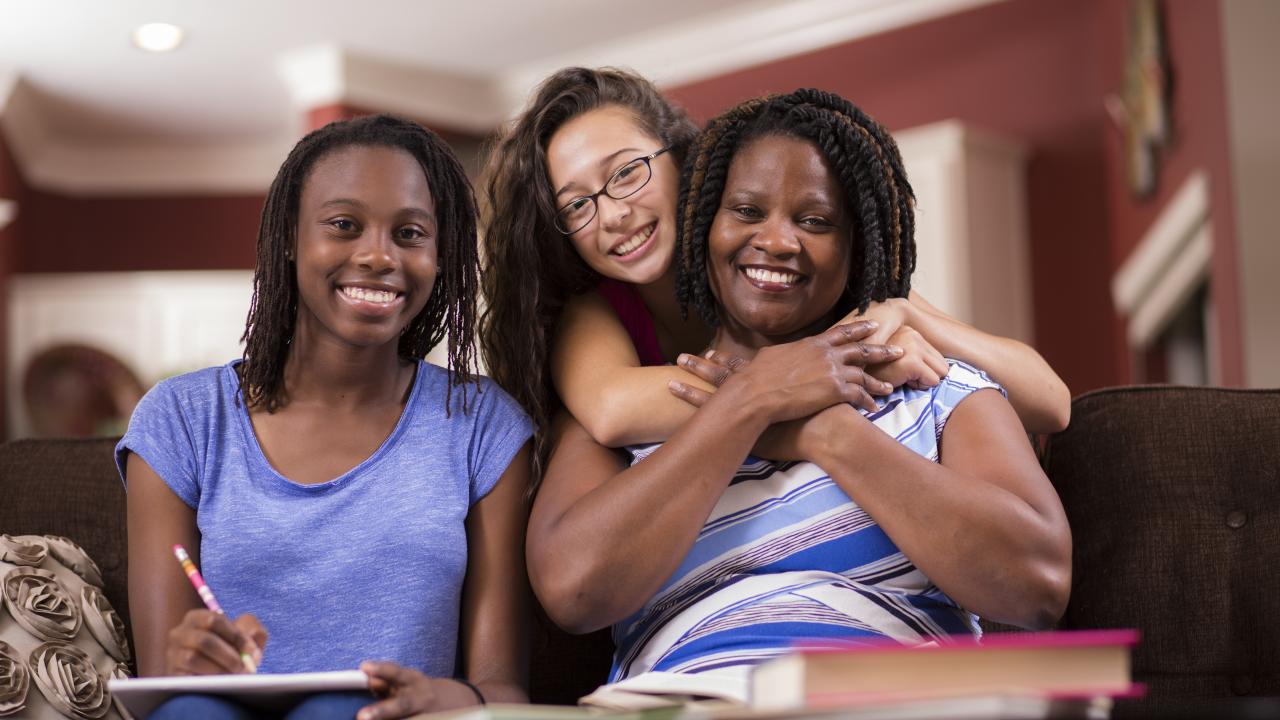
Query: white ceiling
{"points": [[87, 112]]}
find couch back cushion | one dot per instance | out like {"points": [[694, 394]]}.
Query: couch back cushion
{"points": [[69, 488], [1173, 495]]}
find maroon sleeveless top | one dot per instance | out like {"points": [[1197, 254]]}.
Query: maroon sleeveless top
{"points": [[635, 317]]}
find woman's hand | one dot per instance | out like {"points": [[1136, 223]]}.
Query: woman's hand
{"points": [[208, 643], [409, 692], [921, 365], [783, 441], [805, 375]]}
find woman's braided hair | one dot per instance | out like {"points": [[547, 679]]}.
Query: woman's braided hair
{"points": [[450, 311], [862, 156]]}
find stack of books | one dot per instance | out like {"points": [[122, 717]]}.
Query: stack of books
{"points": [[1006, 675], [1015, 676]]}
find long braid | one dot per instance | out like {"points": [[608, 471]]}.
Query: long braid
{"points": [[707, 166], [862, 156], [451, 309]]}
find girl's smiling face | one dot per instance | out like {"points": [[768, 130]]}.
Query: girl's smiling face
{"points": [[365, 247], [632, 239], [780, 245]]}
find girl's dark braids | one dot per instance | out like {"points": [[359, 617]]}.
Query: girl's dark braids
{"points": [[450, 311]]}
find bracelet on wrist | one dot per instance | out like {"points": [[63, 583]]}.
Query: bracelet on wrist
{"points": [[474, 689]]}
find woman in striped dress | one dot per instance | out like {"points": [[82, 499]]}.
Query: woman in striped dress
{"points": [[903, 516]]}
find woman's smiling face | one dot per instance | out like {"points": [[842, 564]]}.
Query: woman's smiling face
{"points": [[366, 245], [779, 247], [632, 239]]}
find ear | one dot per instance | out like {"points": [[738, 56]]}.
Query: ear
{"points": [[292, 251]]}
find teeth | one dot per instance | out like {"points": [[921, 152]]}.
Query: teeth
{"points": [[771, 276], [634, 242], [377, 296]]}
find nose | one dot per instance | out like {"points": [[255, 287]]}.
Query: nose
{"points": [[612, 212], [375, 252], [776, 237]]}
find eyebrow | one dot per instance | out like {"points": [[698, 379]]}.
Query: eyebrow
{"points": [[604, 161], [356, 203]]}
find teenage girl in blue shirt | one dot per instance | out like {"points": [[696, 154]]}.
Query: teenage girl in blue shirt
{"points": [[349, 504]]}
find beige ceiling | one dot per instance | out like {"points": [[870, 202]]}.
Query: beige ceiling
{"points": [[87, 112]]}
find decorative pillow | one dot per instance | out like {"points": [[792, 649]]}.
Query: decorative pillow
{"points": [[60, 640]]}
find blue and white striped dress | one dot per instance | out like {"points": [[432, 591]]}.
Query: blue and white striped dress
{"points": [[787, 556]]}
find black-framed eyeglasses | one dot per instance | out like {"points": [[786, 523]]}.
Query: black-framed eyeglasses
{"points": [[624, 183]]}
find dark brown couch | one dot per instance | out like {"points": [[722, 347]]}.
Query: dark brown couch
{"points": [[1173, 496]]}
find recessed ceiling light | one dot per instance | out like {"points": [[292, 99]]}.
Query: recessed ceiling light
{"points": [[157, 37]]}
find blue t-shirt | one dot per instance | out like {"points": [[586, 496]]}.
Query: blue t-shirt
{"points": [[367, 566]]}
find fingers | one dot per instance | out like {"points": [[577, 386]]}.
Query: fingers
{"points": [[856, 374], [253, 634], [204, 643], [859, 386], [409, 691], [696, 397], [849, 332], [860, 353], [388, 673], [937, 363], [710, 369], [397, 706]]}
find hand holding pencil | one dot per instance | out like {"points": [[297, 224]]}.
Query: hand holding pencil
{"points": [[244, 635]]}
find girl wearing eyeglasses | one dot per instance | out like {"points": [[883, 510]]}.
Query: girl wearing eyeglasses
{"points": [[580, 284]]}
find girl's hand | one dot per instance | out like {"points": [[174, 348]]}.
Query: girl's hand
{"points": [[207, 643], [409, 692], [822, 370], [921, 365], [889, 315]]}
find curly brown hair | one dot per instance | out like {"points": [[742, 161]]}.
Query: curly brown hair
{"points": [[531, 270]]}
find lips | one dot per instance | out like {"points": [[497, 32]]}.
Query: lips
{"points": [[380, 296], [635, 242], [373, 301], [772, 279]]}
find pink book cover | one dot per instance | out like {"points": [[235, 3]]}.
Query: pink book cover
{"points": [[1011, 640]]}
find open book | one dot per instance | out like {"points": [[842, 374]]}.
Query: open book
{"points": [[268, 691], [653, 690]]}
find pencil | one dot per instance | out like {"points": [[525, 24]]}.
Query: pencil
{"points": [[202, 589]]}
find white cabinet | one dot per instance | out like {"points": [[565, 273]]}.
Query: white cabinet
{"points": [[157, 323], [971, 230]]}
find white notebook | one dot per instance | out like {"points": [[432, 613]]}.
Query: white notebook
{"points": [[142, 695]]}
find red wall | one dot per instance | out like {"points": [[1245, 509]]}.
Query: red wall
{"points": [[103, 234], [1028, 70], [1193, 35], [1035, 70]]}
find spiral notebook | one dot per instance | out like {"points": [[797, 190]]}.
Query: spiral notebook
{"points": [[267, 690]]}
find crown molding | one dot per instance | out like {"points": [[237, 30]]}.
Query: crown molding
{"points": [[745, 36]]}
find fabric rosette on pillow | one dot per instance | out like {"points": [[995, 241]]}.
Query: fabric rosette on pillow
{"points": [[60, 638], [104, 624], [14, 681], [40, 604], [74, 557], [121, 672], [69, 681], [27, 551]]}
